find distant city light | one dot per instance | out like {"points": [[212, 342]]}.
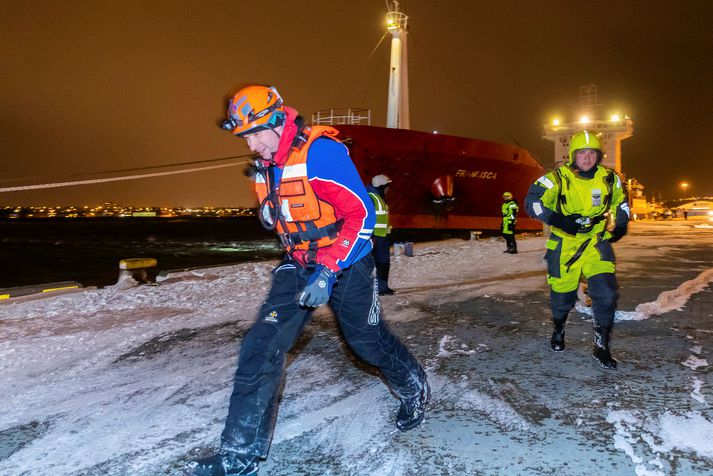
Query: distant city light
{"points": [[584, 119], [435, 131], [556, 122]]}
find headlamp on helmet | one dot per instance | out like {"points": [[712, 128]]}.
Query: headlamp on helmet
{"points": [[253, 109], [584, 140]]}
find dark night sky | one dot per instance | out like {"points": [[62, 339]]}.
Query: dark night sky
{"points": [[92, 86]]}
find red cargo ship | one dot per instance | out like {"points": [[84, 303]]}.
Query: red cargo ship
{"points": [[441, 181]]}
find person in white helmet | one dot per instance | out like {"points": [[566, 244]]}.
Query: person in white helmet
{"points": [[382, 248]]}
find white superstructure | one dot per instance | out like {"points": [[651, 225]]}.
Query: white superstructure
{"points": [[611, 130]]}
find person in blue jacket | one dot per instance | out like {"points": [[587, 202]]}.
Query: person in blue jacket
{"points": [[311, 194]]}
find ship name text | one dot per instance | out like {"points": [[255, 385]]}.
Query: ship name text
{"points": [[477, 174]]}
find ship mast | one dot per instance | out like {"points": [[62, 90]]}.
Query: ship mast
{"points": [[397, 116]]}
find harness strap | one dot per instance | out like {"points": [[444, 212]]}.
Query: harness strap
{"points": [[609, 180], [561, 198], [312, 233]]}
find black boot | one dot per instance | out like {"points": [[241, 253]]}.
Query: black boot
{"points": [[413, 410], [601, 347], [223, 464], [557, 340]]}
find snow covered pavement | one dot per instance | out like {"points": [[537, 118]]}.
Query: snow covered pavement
{"points": [[136, 381]]}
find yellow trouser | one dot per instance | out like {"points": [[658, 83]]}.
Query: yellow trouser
{"points": [[569, 258]]}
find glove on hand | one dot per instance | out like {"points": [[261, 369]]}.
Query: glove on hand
{"points": [[567, 223], [319, 287], [618, 233]]}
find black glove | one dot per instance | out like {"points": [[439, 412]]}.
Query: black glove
{"points": [[319, 287], [618, 233], [566, 223]]}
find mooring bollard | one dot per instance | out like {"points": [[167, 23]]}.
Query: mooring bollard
{"points": [[475, 235], [134, 269]]}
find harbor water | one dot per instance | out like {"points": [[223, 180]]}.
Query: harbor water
{"points": [[88, 250], [37, 251]]}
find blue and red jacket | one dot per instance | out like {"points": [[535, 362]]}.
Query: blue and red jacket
{"points": [[332, 176]]}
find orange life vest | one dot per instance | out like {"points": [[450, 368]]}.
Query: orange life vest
{"points": [[303, 221]]}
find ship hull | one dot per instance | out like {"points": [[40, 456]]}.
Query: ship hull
{"points": [[441, 181]]}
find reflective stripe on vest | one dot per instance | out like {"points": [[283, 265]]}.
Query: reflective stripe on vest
{"points": [[381, 227]]}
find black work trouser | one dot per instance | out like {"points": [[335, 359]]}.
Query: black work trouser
{"points": [[602, 289], [381, 251], [253, 403], [510, 241], [508, 232]]}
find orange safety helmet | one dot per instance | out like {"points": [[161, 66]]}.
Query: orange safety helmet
{"points": [[253, 109]]}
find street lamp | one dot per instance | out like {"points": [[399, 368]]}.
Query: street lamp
{"points": [[684, 186]]}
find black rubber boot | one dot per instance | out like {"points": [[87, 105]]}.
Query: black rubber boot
{"points": [[413, 410], [560, 304], [223, 464], [557, 340], [601, 348]]}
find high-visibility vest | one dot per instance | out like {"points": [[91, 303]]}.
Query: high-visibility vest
{"points": [[381, 228], [303, 221], [509, 210]]}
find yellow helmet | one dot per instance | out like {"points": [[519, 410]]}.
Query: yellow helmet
{"points": [[507, 196], [584, 140], [253, 109]]}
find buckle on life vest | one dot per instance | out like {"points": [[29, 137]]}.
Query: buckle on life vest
{"points": [[311, 234], [310, 258], [286, 240], [586, 224]]}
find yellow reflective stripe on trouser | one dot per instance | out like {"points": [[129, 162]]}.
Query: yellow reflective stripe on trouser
{"points": [[596, 258]]}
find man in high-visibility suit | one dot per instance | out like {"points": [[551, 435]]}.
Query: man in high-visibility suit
{"points": [[382, 247], [311, 194], [509, 210], [577, 200]]}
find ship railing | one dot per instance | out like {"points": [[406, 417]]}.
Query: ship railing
{"points": [[344, 116]]}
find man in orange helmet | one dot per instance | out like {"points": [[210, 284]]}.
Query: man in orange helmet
{"points": [[310, 193]]}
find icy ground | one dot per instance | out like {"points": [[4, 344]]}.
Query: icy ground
{"points": [[136, 381]]}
